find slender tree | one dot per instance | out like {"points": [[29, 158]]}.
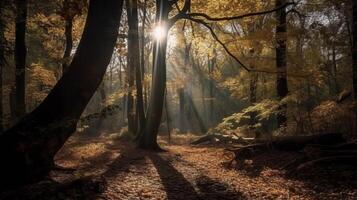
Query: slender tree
{"points": [[20, 57], [134, 67], [142, 53], [27, 150], [131, 60], [147, 137], [281, 63]]}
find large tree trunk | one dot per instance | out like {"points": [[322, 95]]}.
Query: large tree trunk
{"points": [[2, 61], [148, 137], [281, 63], [27, 149], [134, 62], [20, 57], [354, 54]]}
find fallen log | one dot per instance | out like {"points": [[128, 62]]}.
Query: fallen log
{"points": [[345, 159], [288, 143], [216, 138]]}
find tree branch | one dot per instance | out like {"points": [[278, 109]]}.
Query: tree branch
{"points": [[240, 16], [214, 35]]}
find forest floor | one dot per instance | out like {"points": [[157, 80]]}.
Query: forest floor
{"points": [[183, 172]]}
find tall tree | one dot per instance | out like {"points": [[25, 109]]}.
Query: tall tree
{"points": [[281, 62], [27, 150], [147, 137], [142, 52], [354, 54], [131, 60], [2, 61], [139, 71], [134, 67], [20, 57]]}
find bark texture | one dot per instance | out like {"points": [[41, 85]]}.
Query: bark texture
{"points": [[2, 61], [134, 66]]}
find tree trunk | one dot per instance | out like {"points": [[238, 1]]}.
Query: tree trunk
{"points": [[142, 55], [27, 149], [69, 43], [211, 65], [201, 124], [131, 68], [148, 137], [20, 57], [335, 71], [134, 62], [2, 62], [181, 96], [354, 54], [281, 63]]}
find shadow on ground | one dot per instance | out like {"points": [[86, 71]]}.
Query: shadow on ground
{"points": [[178, 187]]}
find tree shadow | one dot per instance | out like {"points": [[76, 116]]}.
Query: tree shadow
{"points": [[283, 163], [129, 158], [213, 189], [176, 185]]}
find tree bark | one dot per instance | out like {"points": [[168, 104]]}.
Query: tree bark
{"points": [[147, 138], [20, 57], [2, 62], [27, 149], [134, 62], [131, 68], [354, 55], [281, 63], [142, 55], [181, 95], [69, 43]]}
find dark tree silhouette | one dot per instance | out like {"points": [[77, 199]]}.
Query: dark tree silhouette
{"points": [[281, 82], [27, 150], [2, 60], [134, 67], [20, 57]]}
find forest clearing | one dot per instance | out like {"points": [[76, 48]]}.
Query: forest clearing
{"points": [[178, 99]]}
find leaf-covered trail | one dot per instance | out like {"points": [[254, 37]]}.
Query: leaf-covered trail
{"points": [[185, 172]]}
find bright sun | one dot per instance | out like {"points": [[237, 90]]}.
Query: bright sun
{"points": [[159, 32]]}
